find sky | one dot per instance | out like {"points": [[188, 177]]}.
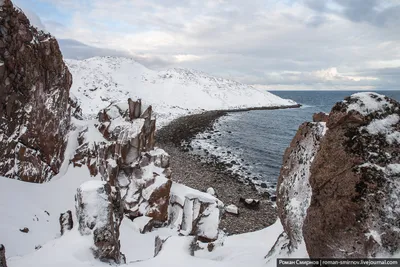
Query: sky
{"points": [[271, 44]]}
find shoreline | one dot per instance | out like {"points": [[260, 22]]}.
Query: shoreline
{"points": [[188, 169]]}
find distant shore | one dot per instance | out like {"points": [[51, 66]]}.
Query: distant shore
{"points": [[189, 170]]}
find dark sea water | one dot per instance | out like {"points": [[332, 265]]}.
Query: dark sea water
{"points": [[259, 138]]}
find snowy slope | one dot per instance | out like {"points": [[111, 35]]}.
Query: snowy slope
{"points": [[99, 81]]}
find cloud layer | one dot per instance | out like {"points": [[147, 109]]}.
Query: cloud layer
{"points": [[308, 44]]}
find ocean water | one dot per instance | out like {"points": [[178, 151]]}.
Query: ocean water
{"points": [[255, 141]]}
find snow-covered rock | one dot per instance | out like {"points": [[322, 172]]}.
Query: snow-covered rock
{"points": [[99, 211], [3, 260], [294, 190], [211, 191], [34, 99], [100, 81], [354, 206], [66, 222], [233, 209], [339, 183]]}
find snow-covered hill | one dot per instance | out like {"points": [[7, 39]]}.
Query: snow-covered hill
{"points": [[99, 81]]}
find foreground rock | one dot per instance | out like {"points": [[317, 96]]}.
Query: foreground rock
{"points": [[340, 192], [124, 155], [3, 262], [355, 181], [34, 97], [66, 222], [294, 190], [99, 211]]}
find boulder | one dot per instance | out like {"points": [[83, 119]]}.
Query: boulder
{"points": [[250, 202], [232, 209], [158, 243], [99, 211], [194, 213], [3, 261], [354, 207], [66, 222], [34, 99]]}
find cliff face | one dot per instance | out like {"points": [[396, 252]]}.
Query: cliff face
{"points": [[338, 192], [354, 209], [34, 95], [294, 190]]}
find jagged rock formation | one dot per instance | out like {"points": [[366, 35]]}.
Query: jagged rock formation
{"points": [[354, 207], [99, 211], [34, 95], [122, 133], [339, 193], [3, 262], [125, 156], [294, 190], [66, 222]]}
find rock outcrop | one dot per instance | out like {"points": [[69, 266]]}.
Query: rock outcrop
{"points": [[34, 97], [122, 133], [354, 209], [294, 190], [338, 188], [100, 212], [66, 222], [3, 261]]}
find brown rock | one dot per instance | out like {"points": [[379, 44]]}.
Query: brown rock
{"points": [[294, 190], [24, 230], [3, 261], [34, 96], [159, 202], [320, 117], [353, 211]]}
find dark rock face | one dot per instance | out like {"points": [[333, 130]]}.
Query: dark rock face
{"points": [[294, 190], [354, 209], [3, 262], [34, 95], [100, 212], [66, 222]]}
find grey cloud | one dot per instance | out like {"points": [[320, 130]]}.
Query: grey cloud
{"points": [[73, 49]]}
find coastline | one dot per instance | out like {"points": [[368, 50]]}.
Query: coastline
{"points": [[188, 169]]}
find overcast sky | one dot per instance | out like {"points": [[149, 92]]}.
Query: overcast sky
{"points": [[286, 44]]}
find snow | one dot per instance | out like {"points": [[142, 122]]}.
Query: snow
{"points": [[375, 235], [100, 81], [386, 127], [24, 205], [367, 103], [393, 169], [211, 191], [232, 209]]}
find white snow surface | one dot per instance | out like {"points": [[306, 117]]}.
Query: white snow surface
{"points": [[367, 103], [99, 81]]}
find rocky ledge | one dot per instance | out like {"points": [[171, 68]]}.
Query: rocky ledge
{"points": [[34, 99], [338, 187]]}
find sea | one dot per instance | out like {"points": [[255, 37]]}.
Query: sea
{"points": [[253, 142]]}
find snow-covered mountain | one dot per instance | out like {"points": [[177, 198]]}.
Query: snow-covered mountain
{"points": [[99, 81]]}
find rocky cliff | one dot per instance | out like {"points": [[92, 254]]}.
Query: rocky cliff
{"points": [[338, 188], [34, 96]]}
